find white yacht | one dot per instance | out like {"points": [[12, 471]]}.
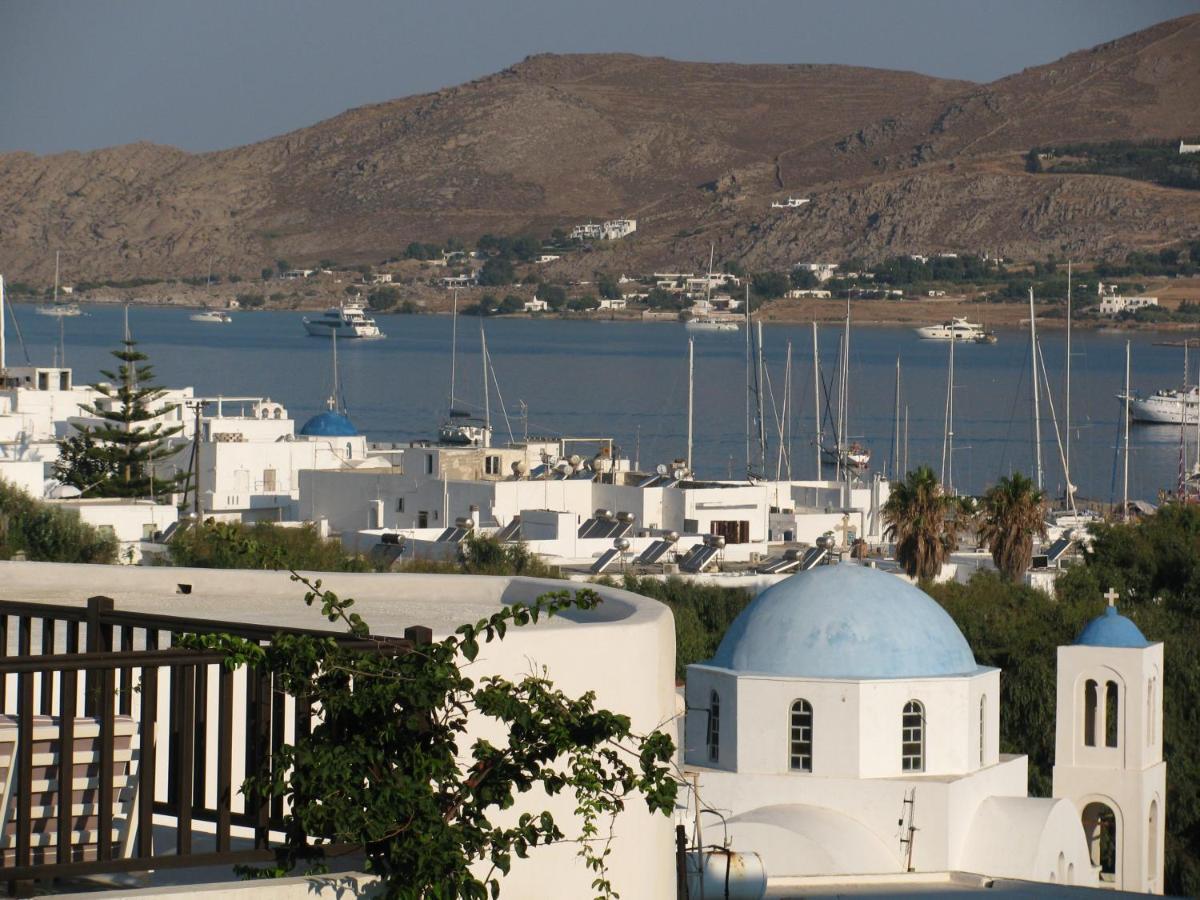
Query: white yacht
{"points": [[1166, 407], [347, 321], [462, 429], [60, 310], [212, 315], [956, 329], [711, 323]]}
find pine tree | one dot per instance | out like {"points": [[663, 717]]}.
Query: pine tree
{"points": [[124, 447]]}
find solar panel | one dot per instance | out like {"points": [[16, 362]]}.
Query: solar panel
{"points": [[648, 482], [812, 557], [452, 536], [604, 561], [654, 553], [511, 531], [696, 561], [620, 529], [591, 528], [778, 566], [1058, 549]]}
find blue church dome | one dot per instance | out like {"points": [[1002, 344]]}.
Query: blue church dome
{"points": [[329, 424], [1112, 630], [845, 621]]}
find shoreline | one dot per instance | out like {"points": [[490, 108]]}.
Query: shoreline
{"points": [[911, 314]]}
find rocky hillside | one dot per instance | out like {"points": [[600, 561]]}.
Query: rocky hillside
{"points": [[893, 161]]}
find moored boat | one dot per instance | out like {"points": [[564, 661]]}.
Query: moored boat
{"points": [[348, 321], [957, 329], [212, 315], [711, 323], [60, 310]]}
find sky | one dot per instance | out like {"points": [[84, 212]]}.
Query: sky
{"points": [[211, 74]]}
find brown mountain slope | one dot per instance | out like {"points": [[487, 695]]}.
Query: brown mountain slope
{"points": [[894, 161]]}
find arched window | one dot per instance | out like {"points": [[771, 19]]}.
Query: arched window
{"points": [[1152, 845], [714, 727], [1100, 829], [982, 728], [912, 748], [1091, 700], [349, 450], [801, 736], [1150, 723], [1111, 712]]}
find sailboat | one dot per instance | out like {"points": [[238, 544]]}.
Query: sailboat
{"points": [[462, 428], [849, 456], [56, 308]]}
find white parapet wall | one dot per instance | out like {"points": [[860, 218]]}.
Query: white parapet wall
{"points": [[624, 650]]}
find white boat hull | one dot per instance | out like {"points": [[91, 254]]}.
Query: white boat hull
{"points": [[1164, 410], [61, 312], [325, 329], [695, 325]]}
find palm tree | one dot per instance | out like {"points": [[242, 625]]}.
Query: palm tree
{"points": [[1014, 510], [923, 522]]}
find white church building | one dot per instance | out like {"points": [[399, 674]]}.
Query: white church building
{"points": [[844, 728]]}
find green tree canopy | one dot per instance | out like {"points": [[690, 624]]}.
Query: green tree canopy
{"points": [[1013, 512], [124, 447], [923, 521]]}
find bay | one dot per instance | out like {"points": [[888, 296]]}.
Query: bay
{"points": [[628, 380]]}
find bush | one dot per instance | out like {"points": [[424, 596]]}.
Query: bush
{"points": [[225, 545], [496, 271], [44, 533], [770, 285], [383, 299], [250, 301]]}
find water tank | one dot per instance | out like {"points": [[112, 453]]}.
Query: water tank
{"points": [[727, 875], [604, 514], [625, 517]]}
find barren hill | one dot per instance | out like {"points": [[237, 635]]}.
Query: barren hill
{"points": [[894, 162]]}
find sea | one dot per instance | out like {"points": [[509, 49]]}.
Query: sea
{"points": [[629, 380]]}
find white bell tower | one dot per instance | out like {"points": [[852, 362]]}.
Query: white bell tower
{"points": [[1108, 748]]}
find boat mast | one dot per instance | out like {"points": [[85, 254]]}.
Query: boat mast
{"points": [[948, 428], [843, 399], [762, 424], [333, 404], [453, 347], [487, 400], [1067, 402], [1037, 422], [691, 396], [817, 399], [3, 348], [895, 464], [1062, 455], [746, 310], [56, 277], [1125, 476], [787, 407], [905, 440]]}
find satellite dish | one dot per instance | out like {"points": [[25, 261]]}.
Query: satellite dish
{"points": [[575, 459], [679, 474], [661, 469]]}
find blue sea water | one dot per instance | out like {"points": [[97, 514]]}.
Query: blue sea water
{"points": [[628, 380]]}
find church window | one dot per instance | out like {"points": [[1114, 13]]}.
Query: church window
{"points": [[982, 728], [801, 736], [1091, 701], [1100, 829], [912, 750], [1150, 723], [714, 727], [1111, 709]]}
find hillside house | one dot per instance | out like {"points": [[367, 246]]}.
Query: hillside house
{"points": [[1188, 148], [823, 271], [611, 230], [451, 282]]}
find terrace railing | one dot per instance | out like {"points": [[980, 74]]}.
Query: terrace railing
{"points": [[121, 752]]}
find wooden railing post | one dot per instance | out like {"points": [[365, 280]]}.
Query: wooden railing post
{"points": [[99, 640]]}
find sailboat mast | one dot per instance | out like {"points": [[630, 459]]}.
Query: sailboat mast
{"points": [[1067, 401], [787, 407], [1125, 476], [746, 310], [762, 424], [817, 399], [3, 346], [895, 463], [453, 347], [1037, 420], [948, 426], [691, 397], [487, 404], [56, 276], [333, 398]]}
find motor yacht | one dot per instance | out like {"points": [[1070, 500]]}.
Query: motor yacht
{"points": [[60, 310], [215, 316], [1173, 406], [347, 321], [957, 329], [711, 323]]}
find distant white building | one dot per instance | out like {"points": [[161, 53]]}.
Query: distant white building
{"points": [[823, 271], [789, 203], [613, 303], [296, 274], [611, 230], [1113, 304], [381, 278], [548, 257], [458, 281], [536, 305], [812, 293], [1189, 148], [699, 284]]}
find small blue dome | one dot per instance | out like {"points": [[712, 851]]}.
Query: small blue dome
{"points": [[329, 424], [1112, 630], [845, 621]]}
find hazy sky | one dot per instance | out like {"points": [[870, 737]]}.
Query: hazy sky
{"points": [[207, 74]]}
